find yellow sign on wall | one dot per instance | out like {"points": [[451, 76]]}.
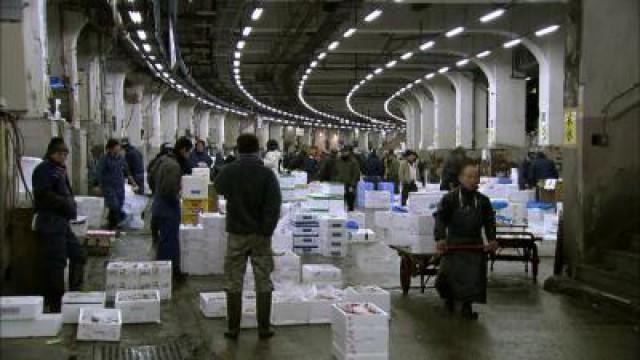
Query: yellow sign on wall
{"points": [[570, 128]]}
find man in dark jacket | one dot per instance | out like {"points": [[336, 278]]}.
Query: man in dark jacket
{"points": [[310, 165], [167, 176], [253, 209], [199, 157], [55, 206], [543, 168], [373, 169], [135, 165], [347, 171], [451, 168], [524, 172], [111, 176]]}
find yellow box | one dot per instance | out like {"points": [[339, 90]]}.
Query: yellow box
{"points": [[202, 204], [189, 218]]}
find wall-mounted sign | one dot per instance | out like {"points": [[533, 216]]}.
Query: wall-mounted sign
{"points": [[570, 128]]}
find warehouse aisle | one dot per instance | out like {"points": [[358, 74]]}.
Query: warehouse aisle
{"points": [[522, 321]]}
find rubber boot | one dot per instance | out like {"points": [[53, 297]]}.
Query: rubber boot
{"points": [[76, 277], [467, 312], [234, 315], [263, 307]]}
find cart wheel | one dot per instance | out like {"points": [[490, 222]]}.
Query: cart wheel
{"points": [[405, 274]]}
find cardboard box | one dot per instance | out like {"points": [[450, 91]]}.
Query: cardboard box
{"points": [[43, 325], [72, 302], [289, 310], [138, 306], [195, 187], [20, 307], [99, 324], [319, 273], [213, 304], [362, 235], [199, 204], [369, 294]]}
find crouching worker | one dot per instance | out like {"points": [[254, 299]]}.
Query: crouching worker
{"points": [[460, 218], [253, 209], [55, 206]]}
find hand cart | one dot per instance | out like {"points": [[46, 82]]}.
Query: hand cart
{"points": [[516, 238]]}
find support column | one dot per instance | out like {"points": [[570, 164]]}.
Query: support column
{"points": [[407, 112], [464, 109], [134, 115], [481, 95], [186, 109], [306, 139], [115, 102], [551, 89], [153, 125], [203, 125], [426, 120], [169, 118], [363, 140], [72, 23], [444, 128], [276, 132], [218, 133]]}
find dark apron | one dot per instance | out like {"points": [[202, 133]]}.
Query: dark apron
{"points": [[463, 274]]}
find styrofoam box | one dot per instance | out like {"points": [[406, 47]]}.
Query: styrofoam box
{"points": [[213, 304], [320, 307], [201, 171], [401, 237], [43, 325], [308, 240], [73, 301], [413, 223], [312, 273], [286, 266], [359, 217], [20, 307], [305, 231], [138, 306], [424, 244], [288, 311], [360, 328], [333, 222], [382, 219], [334, 251], [307, 250], [99, 324], [362, 235], [304, 217], [213, 221], [424, 202], [249, 318], [339, 355], [91, 207], [287, 182], [124, 275], [335, 234], [195, 187], [373, 294]]}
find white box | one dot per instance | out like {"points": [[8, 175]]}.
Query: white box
{"points": [[377, 199], [92, 208], [72, 302], [424, 202], [306, 231], [318, 273], [307, 240], [362, 235], [340, 355], [138, 306], [424, 244], [43, 325], [249, 319], [358, 217], [369, 294], [213, 304], [287, 182], [20, 307], [360, 328], [201, 171], [307, 250], [195, 187], [413, 223], [286, 267], [382, 219], [304, 217], [401, 237], [99, 324], [213, 221], [321, 304], [288, 310], [122, 275], [332, 222]]}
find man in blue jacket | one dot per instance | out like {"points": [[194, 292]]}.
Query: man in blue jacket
{"points": [[135, 164], [111, 176], [55, 206], [199, 157]]}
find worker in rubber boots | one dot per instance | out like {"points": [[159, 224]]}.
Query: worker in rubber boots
{"points": [[346, 170], [253, 199], [55, 206], [111, 173], [165, 211], [460, 218], [135, 165]]}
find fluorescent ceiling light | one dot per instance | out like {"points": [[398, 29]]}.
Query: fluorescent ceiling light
{"points": [[362, 81], [492, 15], [314, 63], [443, 70], [378, 71], [165, 74], [547, 30], [391, 63], [511, 43], [428, 45], [455, 31], [240, 45], [142, 35], [135, 16], [349, 32], [373, 15], [236, 63], [322, 55], [159, 67], [462, 62], [369, 76], [305, 77], [528, 78], [237, 54], [483, 54], [333, 45], [256, 14], [246, 31], [406, 56], [308, 71], [146, 47], [418, 81], [152, 57], [236, 71], [409, 86]]}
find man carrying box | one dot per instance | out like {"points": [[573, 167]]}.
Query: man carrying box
{"points": [[253, 209]]}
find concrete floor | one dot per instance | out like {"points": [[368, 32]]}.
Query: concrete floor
{"points": [[521, 321]]}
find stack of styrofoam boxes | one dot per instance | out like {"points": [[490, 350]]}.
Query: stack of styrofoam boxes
{"points": [[300, 184], [374, 257], [322, 275], [289, 308], [371, 294], [518, 202], [215, 239], [287, 187], [412, 230], [138, 306], [95, 324], [72, 302], [361, 189], [286, 268], [382, 220], [424, 202], [359, 217], [249, 318], [321, 302], [202, 172], [195, 251], [21, 316], [377, 199], [360, 331], [213, 304], [142, 275], [333, 235], [306, 234], [195, 198], [92, 208]]}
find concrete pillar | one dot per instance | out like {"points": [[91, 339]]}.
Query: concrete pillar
{"points": [[72, 24], [480, 94], [115, 102], [464, 109], [276, 132], [218, 124], [203, 124], [307, 138], [169, 118], [444, 128], [363, 140], [426, 120], [186, 110], [407, 112], [151, 120], [134, 115]]}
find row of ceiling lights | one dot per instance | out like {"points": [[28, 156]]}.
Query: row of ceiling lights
{"points": [[256, 14], [370, 17], [157, 65], [463, 62]]}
